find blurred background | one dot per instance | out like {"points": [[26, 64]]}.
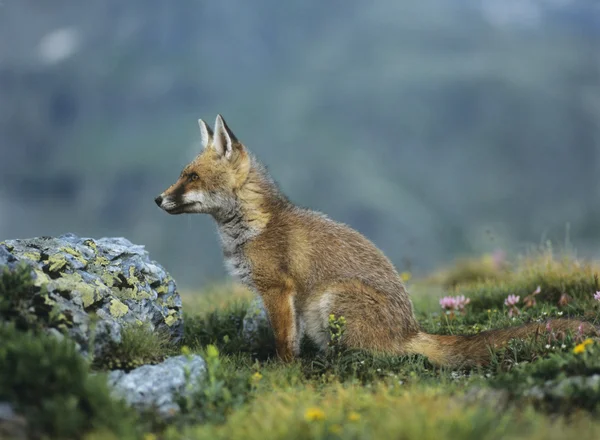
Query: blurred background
{"points": [[438, 128]]}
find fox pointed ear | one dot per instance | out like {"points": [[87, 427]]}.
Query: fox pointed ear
{"points": [[224, 141], [206, 133]]}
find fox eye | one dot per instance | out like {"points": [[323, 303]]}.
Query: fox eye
{"points": [[193, 177]]}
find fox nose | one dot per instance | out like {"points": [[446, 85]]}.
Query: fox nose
{"points": [[159, 200]]}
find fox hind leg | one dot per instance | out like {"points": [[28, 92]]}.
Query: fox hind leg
{"points": [[374, 321]]}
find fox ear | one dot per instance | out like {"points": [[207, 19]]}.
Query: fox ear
{"points": [[206, 132], [224, 141]]}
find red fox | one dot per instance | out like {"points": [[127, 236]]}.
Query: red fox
{"points": [[306, 266]]}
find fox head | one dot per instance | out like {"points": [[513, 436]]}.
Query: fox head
{"points": [[208, 184]]}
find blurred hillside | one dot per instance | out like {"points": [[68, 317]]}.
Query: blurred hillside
{"points": [[437, 128]]}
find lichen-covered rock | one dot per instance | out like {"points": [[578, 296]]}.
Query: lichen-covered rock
{"points": [[156, 387], [83, 284]]}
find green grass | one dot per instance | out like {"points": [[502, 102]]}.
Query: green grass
{"points": [[351, 394], [139, 346]]}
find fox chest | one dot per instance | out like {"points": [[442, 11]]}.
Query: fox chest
{"points": [[238, 266], [235, 237]]}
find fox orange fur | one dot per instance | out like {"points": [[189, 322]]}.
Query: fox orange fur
{"points": [[306, 266]]}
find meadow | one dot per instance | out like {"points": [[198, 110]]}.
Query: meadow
{"points": [[546, 387]]}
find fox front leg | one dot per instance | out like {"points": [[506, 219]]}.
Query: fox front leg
{"points": [[279, 304]]}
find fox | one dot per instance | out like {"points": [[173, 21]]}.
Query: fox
{"points": [[306, 266]]}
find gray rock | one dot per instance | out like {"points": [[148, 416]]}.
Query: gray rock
{"points": [[564, 387], [12, 425], [156, 387], [496, 399], [110, 278], [255, 319]]}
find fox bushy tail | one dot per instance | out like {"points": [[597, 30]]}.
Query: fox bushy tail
{"points": [[473, 350]]}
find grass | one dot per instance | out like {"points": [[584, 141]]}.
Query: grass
{"points": [[139, 346], [538, 388]]}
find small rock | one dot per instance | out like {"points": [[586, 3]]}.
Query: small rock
{"points": [[157, 386], [12, 425], [255, 318], [497, 399]]}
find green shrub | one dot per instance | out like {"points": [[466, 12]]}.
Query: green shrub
{"points": [[224, 329], [48, 381], [19, 302], [224, 389]]}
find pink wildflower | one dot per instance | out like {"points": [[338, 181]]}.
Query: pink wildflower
{"points": [[511, 302], [597, 296], [447, 303], [461, 302], [454, 303]]}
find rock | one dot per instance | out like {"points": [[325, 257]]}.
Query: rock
{"points": [[563, 388], [256, 316], [493, 398], [12, 426], [255, 319], [156, 387], [110, 278]]}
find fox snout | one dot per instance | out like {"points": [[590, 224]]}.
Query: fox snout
{"points": [[169, 204]]}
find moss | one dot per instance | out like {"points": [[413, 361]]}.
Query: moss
{"points": [[117, 308]]}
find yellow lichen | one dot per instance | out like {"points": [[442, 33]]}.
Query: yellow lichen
{"points": [[40, 278], [56, 262], [117, 308], [78, 256], [108, 279], [162, 289], [171, 318], [33, 255]]}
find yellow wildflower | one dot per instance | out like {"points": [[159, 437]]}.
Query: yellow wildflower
{"points": [[212, 351], [354, 416], [580, 348], [149, 436], [405, 276], [257, 376], [314, 414], [335, 429]]}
